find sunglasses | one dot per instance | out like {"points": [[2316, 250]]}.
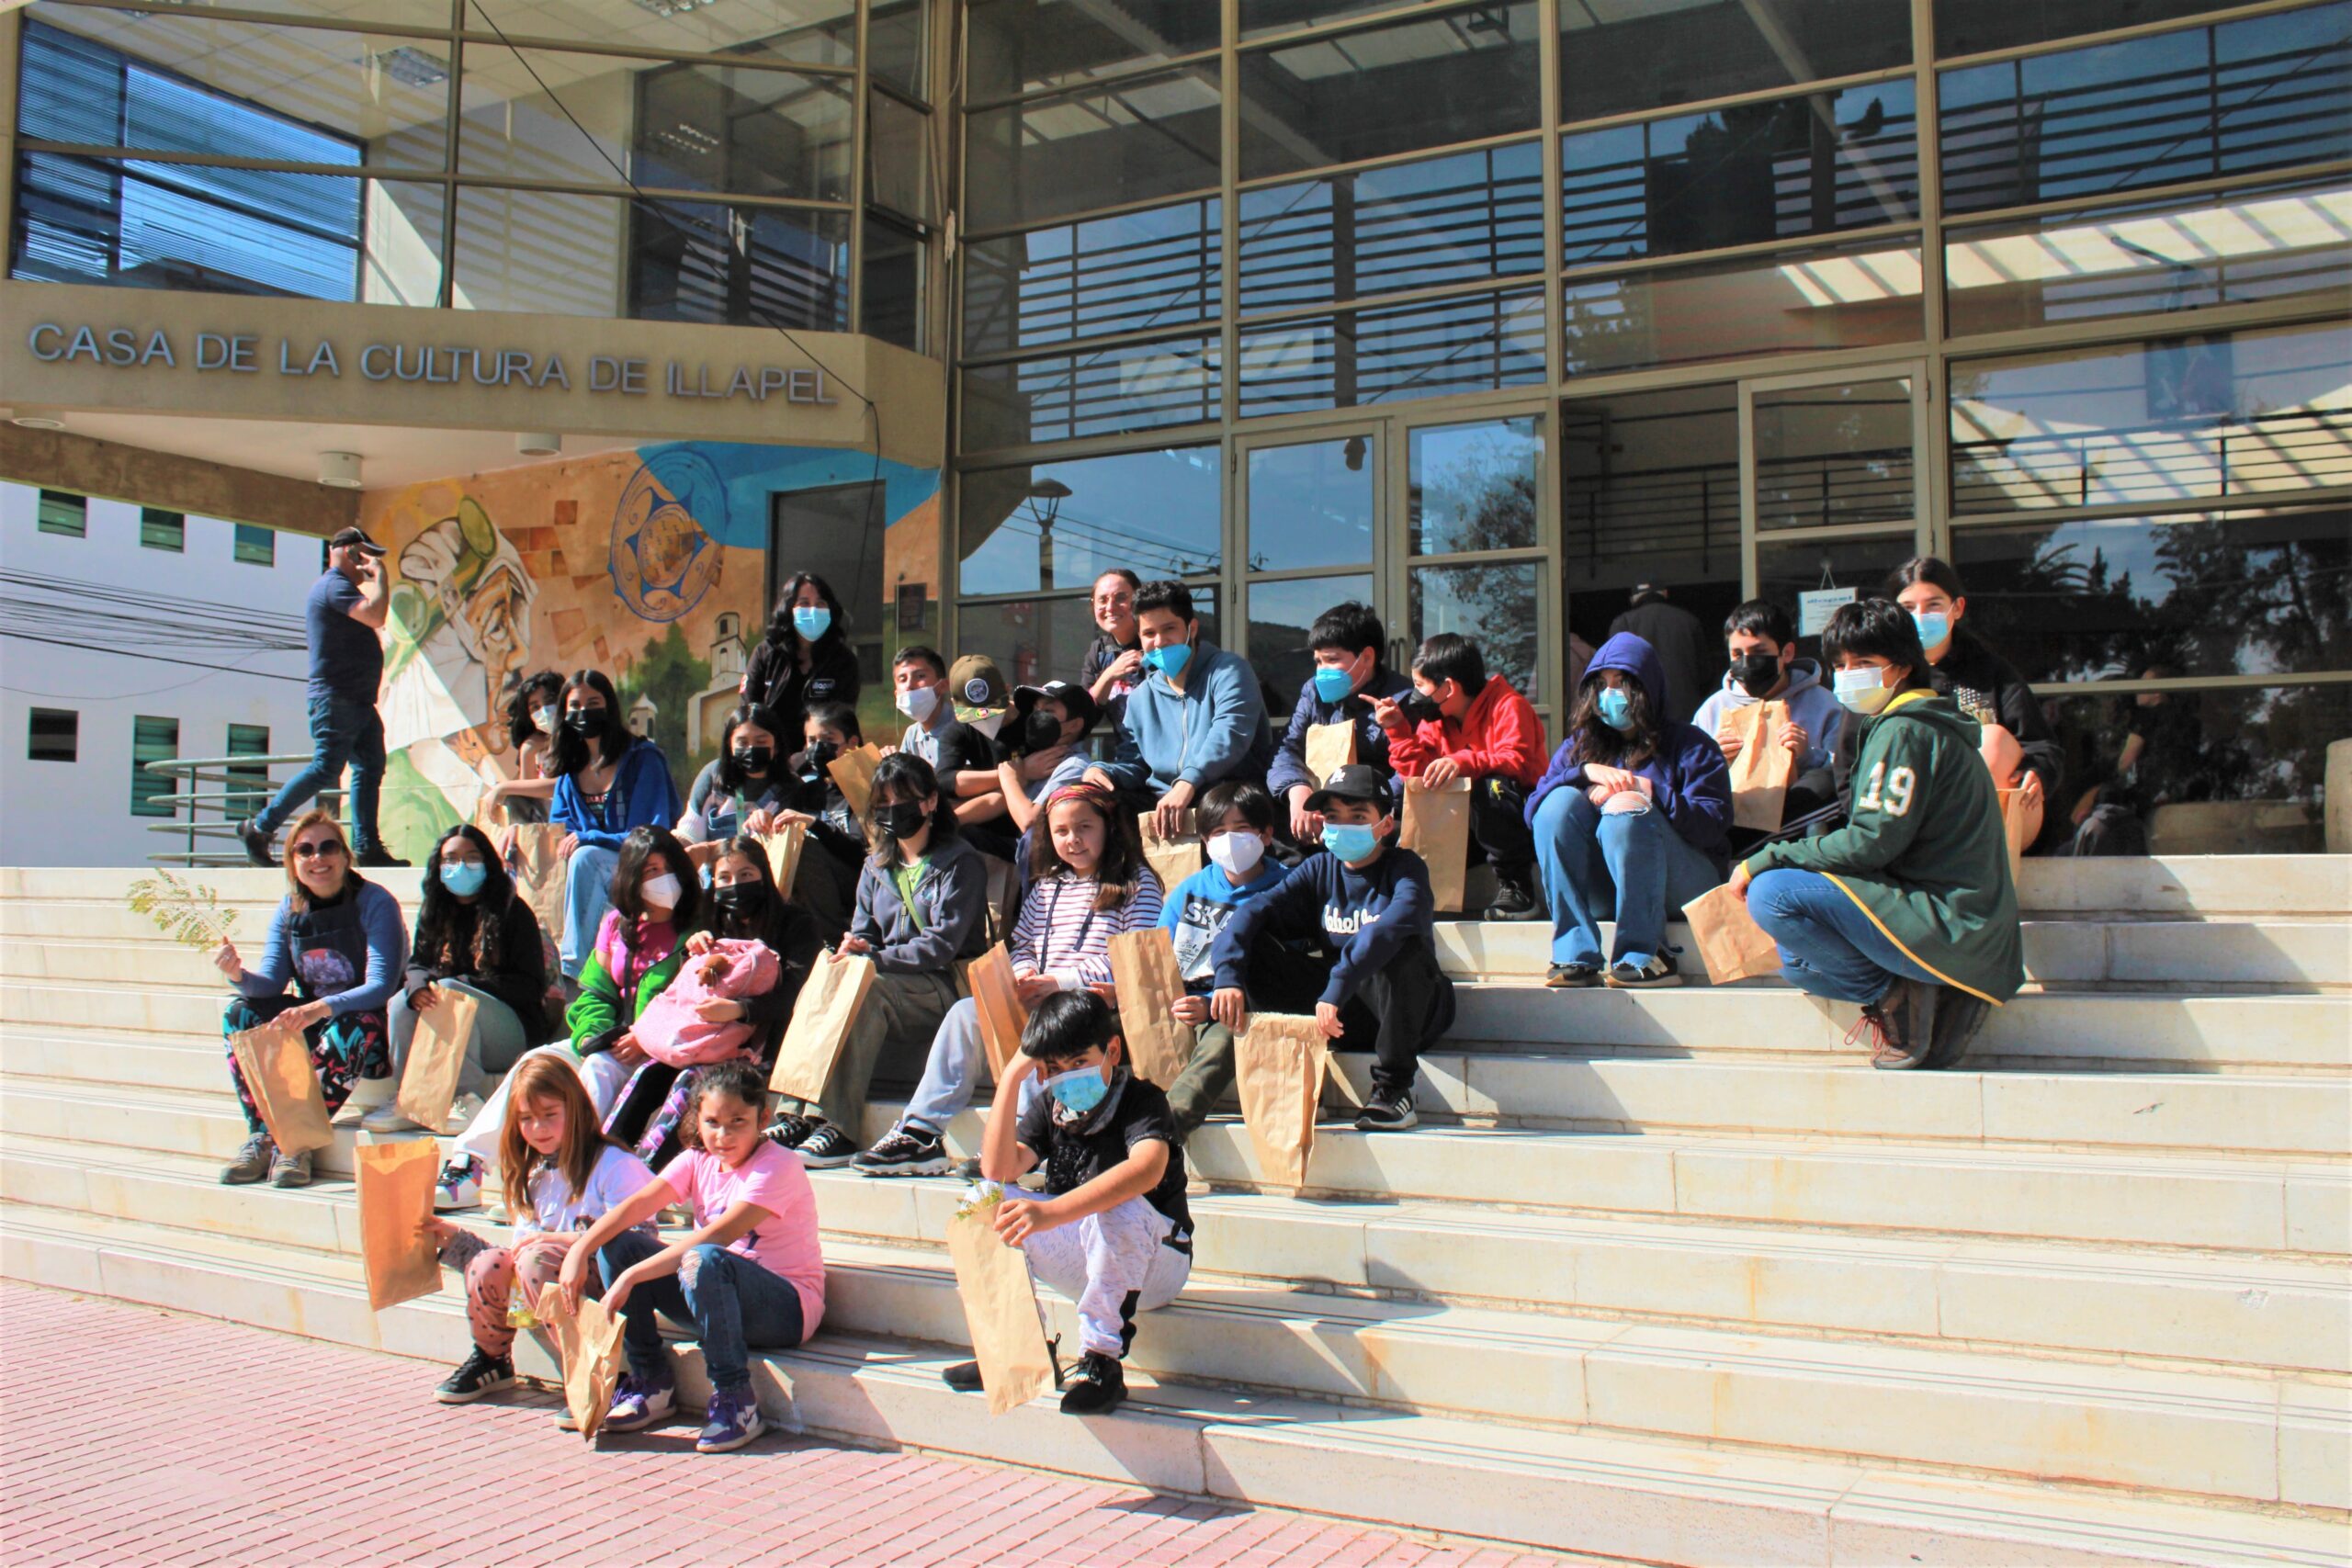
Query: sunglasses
{"points": [[318, 850]]}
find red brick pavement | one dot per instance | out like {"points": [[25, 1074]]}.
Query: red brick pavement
{"points": [[138, 1436]]}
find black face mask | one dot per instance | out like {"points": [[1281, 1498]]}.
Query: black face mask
{"points": [[754, 759], [819, 754], [588, 722], [741, 897], [901, 819], [1756, 673], [1040, 731], [1419, 706]]}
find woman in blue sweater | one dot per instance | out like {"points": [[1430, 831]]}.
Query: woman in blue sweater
{"points": [[340, 939], [606, 782], [1631, 819]]}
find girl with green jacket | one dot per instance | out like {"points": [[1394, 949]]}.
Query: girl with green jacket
{"points": [[1909, 908]]}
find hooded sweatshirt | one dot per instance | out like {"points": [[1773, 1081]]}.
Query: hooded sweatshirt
{"points": [[1214, 729], [1497, 737], [1922, 852], [1369, 916], [1811, 706], [1689, 781], [1199, 908]]}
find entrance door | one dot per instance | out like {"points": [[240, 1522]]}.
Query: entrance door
{"points": [[1311, 518], [1833, 492]]}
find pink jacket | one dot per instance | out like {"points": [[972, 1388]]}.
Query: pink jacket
{"points": [[671, 1032]]}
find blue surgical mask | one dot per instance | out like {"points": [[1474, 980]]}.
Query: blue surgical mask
{"points": [[1078, 1090], [1862, 690], [1333, 685], [464, 878], [1170, 660], [1934, 627], [811, 621], [1616, 707], [1351, 841]]}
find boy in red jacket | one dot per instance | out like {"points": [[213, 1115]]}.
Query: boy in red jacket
{"points": [[1461, 723]]}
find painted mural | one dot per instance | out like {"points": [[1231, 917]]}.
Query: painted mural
{"points": [[649, 565]]}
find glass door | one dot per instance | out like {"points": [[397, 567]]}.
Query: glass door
{"points": [[1311, 518], [1473, 557], [1833, 493]]}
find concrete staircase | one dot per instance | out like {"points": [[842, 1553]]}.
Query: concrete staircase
{"points": [[1671, 1277]]}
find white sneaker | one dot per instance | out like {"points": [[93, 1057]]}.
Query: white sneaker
{"points": [[460, 1185], [462, 1112], [386, 1118], [369, 1093]]}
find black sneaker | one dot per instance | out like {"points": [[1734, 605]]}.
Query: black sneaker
{"points": [[826, 1147], [1659, 971], [905, 1151], [1959, 1018], [1388, 1110], [1569, 976], [1904, 1022], [1098, 1387], [256, 842], [481, 1372], [1514, 901], [789, 1132], [964, 1377], [378, 859]]}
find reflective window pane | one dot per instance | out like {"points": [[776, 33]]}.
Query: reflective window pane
{"points": [[1499, 607], [1474, 343], [1472, 487], [2222, 248], [1422, 82], [1022, 46], [1649, 494], [2230, 99], [1132, 141], [1835, 456], [1311, 504], [2153, 423], [1280, 616], [520, 250], [1034, 640], [2259, 592], [1122, 273], [897, 43], [1451, 219], [895, 265], [821, 32], [1785, 303], [1622, 57], [1787, 567], [773, 266], [1976, 26], [898, 159], [2236, 771], [1061, 526], [1099, 392], [1261, 17], [185, 83], [1741, 175]]}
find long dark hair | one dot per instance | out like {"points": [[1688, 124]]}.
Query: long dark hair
{"points": [[1121, 869], [571, 749], [1933, 570], [520, 726], [641, 845], [904, 776], [741, 1079], [781, 630], [1597, 740], [732, 779], [769, 925], [457, 938]]}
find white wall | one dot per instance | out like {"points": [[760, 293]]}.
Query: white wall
{"points": [[79, 813]]}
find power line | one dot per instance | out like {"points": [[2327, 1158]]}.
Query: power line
{"points": [[127, 653]]}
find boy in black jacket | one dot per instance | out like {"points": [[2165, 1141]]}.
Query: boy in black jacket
{"points": [[1376, 981]]}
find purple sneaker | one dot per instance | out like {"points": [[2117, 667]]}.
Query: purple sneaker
{"points": [[734, 1421], [636, 1406]]}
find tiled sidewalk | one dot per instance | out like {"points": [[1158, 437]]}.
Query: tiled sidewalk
{"points": [[138, 1436]]}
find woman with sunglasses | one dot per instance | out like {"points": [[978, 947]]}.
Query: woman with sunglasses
{"points": [[340, 939]]}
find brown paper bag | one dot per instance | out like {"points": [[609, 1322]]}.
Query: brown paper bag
{"points": [[1146, 977], [784, 854], [1171, 859], [429, 1080], [589, 1344], [1731, 944], [854, 775], [1760, 773], [490, 814], [1329, 747], [1001, 1309], [277, 1066], [2015, 820], [829, 1001], [1436, 827], [539, 872], [1001, 1015], [395, 1183], [1279, 1061]]}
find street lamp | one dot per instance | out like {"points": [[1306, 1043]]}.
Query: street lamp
{"points": [[1045, 498]]}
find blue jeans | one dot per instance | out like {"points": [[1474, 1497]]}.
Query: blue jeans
{"points": [[730, 1301], [1632, 867], [343, 731], [587, 895], [1829, 946]]}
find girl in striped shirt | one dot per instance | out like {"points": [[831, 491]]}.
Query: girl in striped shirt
{"points": [[1088, 883]]}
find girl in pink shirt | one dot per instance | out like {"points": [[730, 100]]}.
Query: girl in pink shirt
{"points": [[749, 1275]]}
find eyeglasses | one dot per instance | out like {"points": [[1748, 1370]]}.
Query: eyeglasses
{"points": [[318, 850]]}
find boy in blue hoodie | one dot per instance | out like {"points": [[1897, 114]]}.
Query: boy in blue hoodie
{"points": [[1351, 679], [1765, 668], [1197, 719], [1631, 822], [1237, 824], [1374, 979]]}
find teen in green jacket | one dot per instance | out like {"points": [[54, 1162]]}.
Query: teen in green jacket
{"points": [[1909, 908]]}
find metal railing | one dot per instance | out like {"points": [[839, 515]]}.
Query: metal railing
{"points": [[244, 793]]}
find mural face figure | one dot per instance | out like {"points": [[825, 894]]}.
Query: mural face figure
{"points": [[460, 630]]}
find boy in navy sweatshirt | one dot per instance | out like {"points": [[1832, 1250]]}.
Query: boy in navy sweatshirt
{"points": [[1374, 979], [1237, 823]]}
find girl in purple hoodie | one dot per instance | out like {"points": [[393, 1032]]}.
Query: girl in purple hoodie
{"points": [[1631, 822]]}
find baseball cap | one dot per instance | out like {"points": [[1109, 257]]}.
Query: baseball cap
{"points": [[1075, 700], [1354, 781], [976, 686], [358, 536]]}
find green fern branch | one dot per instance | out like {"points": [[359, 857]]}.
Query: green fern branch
{"points": [[189, 913]]}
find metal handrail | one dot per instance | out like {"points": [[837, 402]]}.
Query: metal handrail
{"points": [[242, 789]]}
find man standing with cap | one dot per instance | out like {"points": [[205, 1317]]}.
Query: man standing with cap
{"points": [[1682, 646], [344, 612]]}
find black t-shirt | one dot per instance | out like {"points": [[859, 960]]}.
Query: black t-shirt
{"points": [[1072, 1158]]}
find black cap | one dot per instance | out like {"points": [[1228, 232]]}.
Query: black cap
{"points": [[1075, 700], [358, 536], [1354, 781]]}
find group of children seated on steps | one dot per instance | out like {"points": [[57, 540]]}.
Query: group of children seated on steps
{"points": [[1888, 885]]}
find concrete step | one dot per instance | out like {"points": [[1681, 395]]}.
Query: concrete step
{"points": [[1613, 1495]]}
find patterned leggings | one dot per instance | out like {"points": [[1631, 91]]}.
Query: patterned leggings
{"points": [[342, 1050], [491, 1274]]}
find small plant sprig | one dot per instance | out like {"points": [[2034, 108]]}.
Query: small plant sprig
{"points": [[189, 913], [978, 1199]]}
